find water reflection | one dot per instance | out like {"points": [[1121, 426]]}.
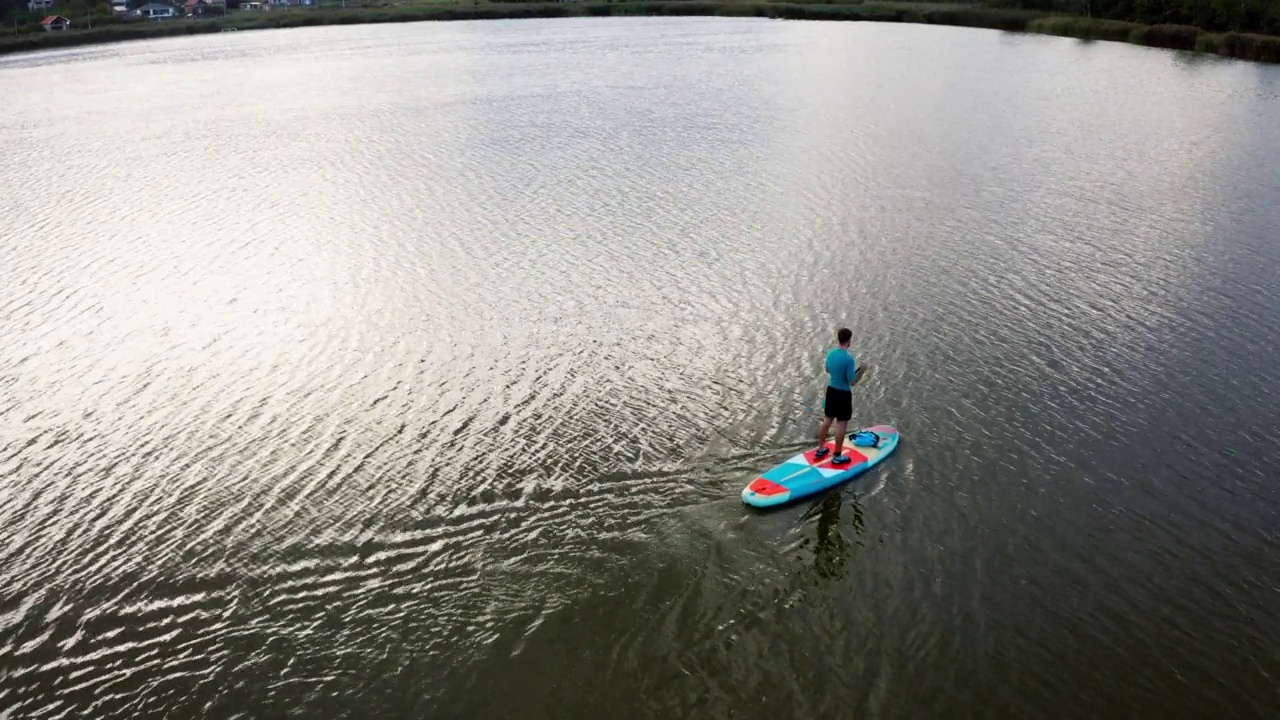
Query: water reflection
{"points": [[831, 546], [418, 333]]}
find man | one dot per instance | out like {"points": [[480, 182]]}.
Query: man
{"points": [[842, 370]]}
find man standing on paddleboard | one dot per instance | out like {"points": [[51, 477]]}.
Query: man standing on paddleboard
{"points": [[842, 371]]}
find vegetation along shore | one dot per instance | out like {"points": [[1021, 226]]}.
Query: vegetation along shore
{"points": [[1246, 29]]}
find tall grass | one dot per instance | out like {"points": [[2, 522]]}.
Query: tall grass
{"points": [[104, 34], [994, 18], [1084, 28], [1173, 37], [1262, 48], [1246, 46]]}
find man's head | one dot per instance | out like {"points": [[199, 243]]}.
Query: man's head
{"points": [[844, 335]]}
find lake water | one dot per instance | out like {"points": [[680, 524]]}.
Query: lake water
{"points": [[414, 371]]}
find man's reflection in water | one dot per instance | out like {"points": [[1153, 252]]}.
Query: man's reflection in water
{"points": [[831, 553]]}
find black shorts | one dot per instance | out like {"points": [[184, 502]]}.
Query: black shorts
{"points": [[839, 404]]}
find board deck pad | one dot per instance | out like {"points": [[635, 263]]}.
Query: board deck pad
{"points": [[802, 475]]}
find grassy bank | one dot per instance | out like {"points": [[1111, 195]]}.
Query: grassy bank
{"points": [[1181, 37], [1263, 48]]}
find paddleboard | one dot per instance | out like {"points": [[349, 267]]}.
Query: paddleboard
{"points": [[801, 476]]}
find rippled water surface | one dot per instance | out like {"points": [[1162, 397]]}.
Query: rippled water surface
{"points": [[415, 370]]}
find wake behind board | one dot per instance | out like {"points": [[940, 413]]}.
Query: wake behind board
{"points": [[801, 475]]}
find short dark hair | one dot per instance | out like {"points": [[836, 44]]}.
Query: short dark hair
{"points": [[844, 335]]}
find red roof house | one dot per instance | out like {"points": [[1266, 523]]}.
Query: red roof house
{"points": [[56, 22]]}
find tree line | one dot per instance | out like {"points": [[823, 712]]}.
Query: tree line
{"points": [[1255, 16]]}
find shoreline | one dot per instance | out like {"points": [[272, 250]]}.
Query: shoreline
{"points": [[1242, 46]]}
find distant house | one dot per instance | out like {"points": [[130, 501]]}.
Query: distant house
{"points": [[56, 22], [156, 11], [203, 8], [34, 5]]}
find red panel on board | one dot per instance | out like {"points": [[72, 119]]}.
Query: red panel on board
{"points": [[760, 486]]}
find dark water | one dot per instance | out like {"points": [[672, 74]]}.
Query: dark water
{"points": [[414, 371]]}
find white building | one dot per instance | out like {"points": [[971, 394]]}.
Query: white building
{"points": [[155, 11]]}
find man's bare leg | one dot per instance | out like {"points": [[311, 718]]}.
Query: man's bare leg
{"points": [[822, 431], [841, 426]]}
